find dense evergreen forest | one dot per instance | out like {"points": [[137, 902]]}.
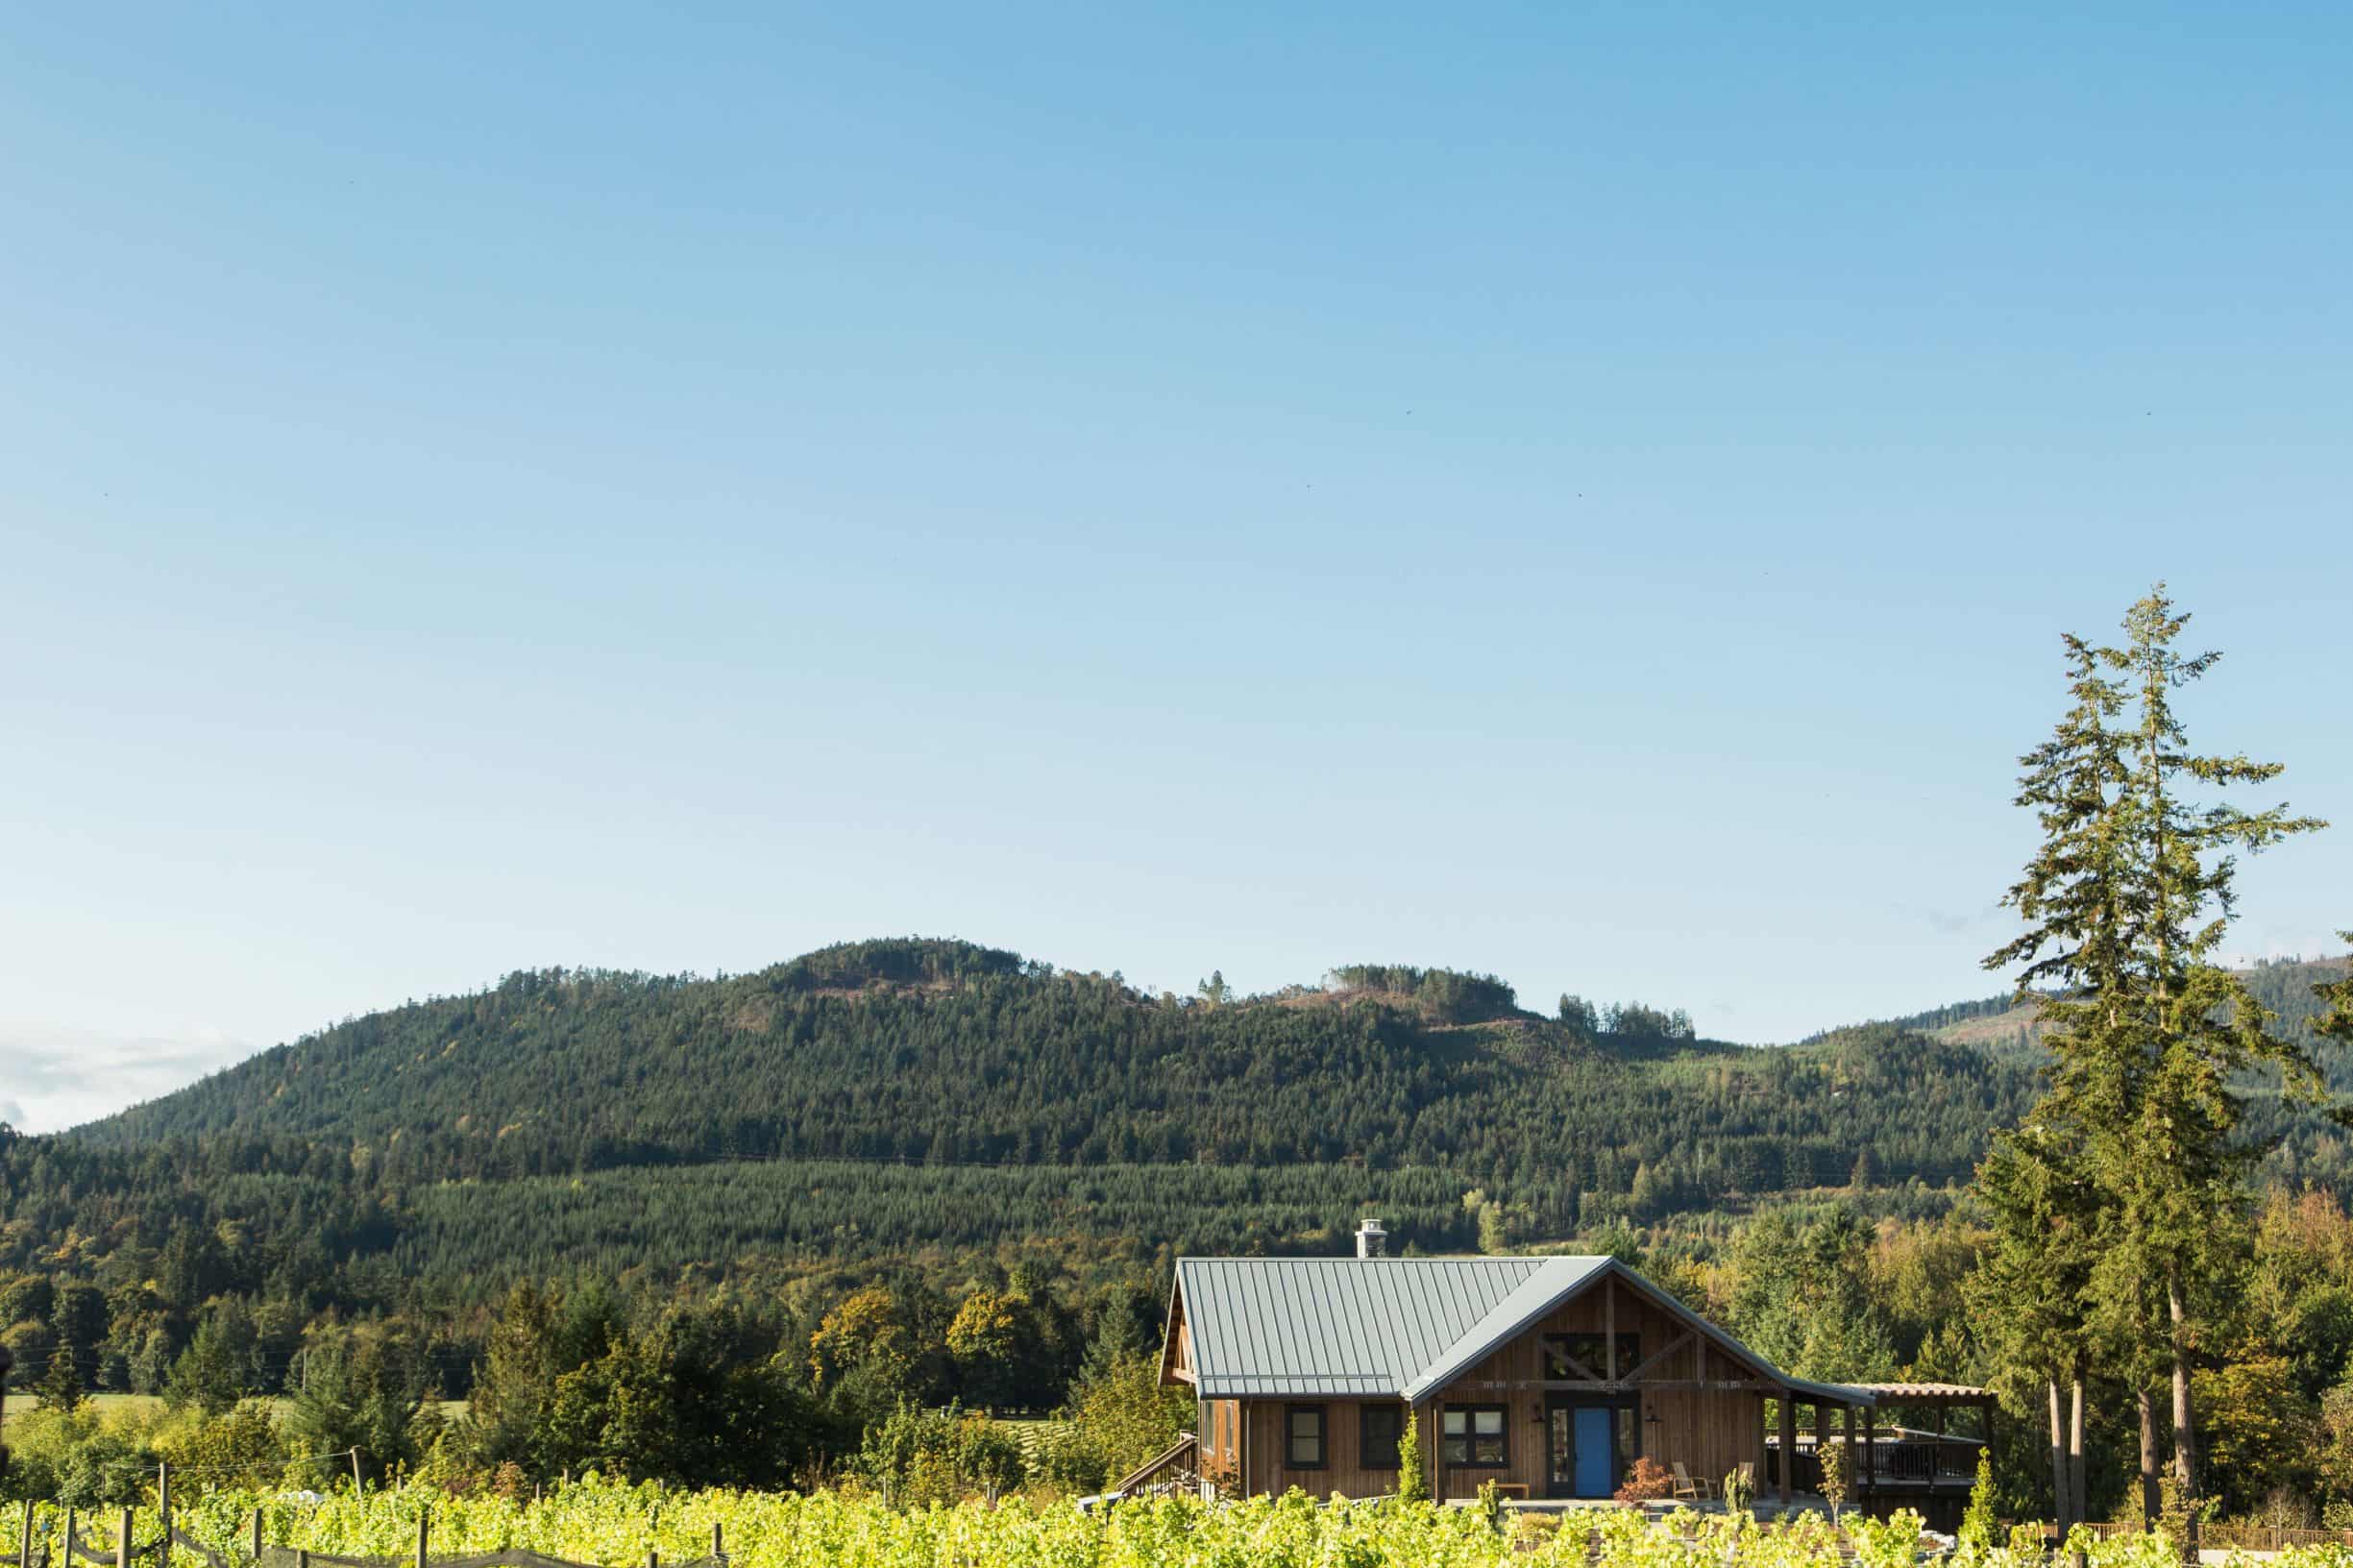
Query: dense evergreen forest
{"points": [[929, 1124]]}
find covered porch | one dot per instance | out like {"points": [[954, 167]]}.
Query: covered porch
{"points": [[1908, 1445]]}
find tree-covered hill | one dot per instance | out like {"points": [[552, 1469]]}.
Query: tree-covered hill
{"points": [[942, 1053], [886, 1095]]}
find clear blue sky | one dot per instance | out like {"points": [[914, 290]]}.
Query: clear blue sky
{"points": [[1584, 492]]}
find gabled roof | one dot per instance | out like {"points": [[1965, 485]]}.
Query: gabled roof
{"points": [[1269, 1327], [1400, 1327], [1551, 1285]]}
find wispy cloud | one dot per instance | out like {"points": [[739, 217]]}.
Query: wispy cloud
{"points": [[54, 1076]]}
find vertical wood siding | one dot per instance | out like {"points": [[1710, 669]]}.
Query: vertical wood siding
{"points": [[1710, 1430]]}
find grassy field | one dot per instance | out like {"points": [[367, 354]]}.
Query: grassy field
{"points": [[21, 1404]]}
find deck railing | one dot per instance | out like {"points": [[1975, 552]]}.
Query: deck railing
{"points": [[1905, 1463]]}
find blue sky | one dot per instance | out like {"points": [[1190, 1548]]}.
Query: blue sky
{"points": [[1584, 492]]}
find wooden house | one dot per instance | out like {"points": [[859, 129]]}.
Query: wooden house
{"points": [[1549, 1376]]}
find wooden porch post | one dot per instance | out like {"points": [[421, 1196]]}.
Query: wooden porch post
{"points": [[1438, 1450], [1760, 1446], [1789, 1443], [1847, 1443], [1871, 1450]]}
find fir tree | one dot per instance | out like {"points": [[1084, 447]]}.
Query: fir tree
{"points": [[60, 1387], [2171, 1155], [2126, 901]]}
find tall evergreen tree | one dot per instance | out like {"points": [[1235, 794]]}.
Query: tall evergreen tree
{"points": [[2128, 901], [2176, 1166], [2073, 961], [2030, 1295]]}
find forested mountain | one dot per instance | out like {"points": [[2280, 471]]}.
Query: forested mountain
{"points": [[900, 1094], [887, 1094], [934, 1116], [942, 1054]]}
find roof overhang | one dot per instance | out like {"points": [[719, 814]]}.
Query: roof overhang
{"points": [[1557, 1280], [1549, 1290]]}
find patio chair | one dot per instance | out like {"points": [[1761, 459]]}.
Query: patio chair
{"points": [[1685, 1486]]}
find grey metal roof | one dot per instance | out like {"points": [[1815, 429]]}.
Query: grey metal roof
{"points": [[1554, 1281], [1400, 1327], [1270, 1327]]}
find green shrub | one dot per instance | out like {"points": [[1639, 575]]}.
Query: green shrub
{"points": [[1977, 1522], [1412, 1479], [915, 1458]]}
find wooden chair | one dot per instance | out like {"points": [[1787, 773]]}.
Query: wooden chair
{"points": [[1685, 1486]]}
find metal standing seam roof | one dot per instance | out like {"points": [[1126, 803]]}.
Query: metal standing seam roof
{"points": [[1399, 1327], [1333, 1325]]}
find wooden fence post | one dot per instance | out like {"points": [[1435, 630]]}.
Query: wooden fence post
{"points": [[24, 1551], [718, 1542], [163, 1508], [65, 1557], [425, 1527], [122, 1542], [256, 1534]]}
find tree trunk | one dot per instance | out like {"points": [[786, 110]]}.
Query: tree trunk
{"points": [[2185, 1436], [2152, 1499], [2060, 1491], [2075, 1507]]}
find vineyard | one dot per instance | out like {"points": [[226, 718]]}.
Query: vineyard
{"points": [[611, 1525]]}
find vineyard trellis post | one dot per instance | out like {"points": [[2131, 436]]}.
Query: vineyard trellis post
{"points": [[24, 1549], [257, 1536], [163, 1510], [425, 1529], [122, 1542]]}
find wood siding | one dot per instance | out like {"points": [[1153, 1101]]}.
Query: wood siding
{"points": [[1265, 1452], [1711, 1430]]}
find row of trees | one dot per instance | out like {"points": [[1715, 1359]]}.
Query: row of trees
{"points": [[2119, 1203], [705, 1386]]}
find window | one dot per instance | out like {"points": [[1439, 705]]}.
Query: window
{"points": [[1303, 1448], [1378, 1429], [1592, 1350], [1474, 1437]]}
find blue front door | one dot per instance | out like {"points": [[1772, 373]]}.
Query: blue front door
{"points": [[1592, 1436]]}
